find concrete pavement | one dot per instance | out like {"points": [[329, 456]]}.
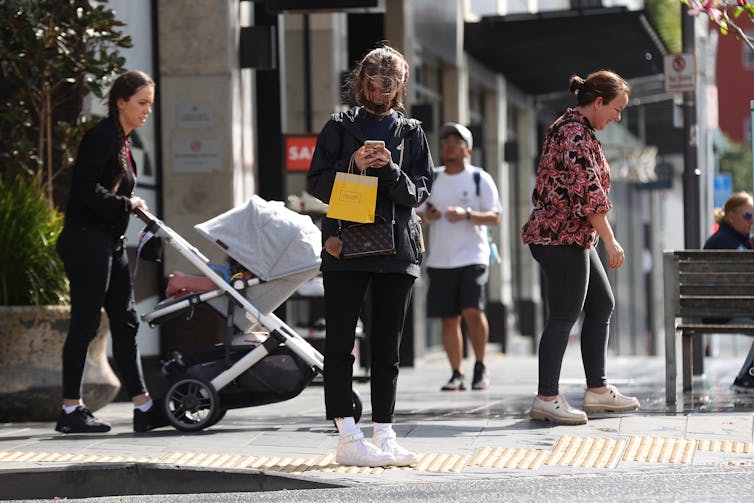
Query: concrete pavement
{"points": [[471, 435]]}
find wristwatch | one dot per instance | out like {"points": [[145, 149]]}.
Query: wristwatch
{"points": [[468, 213]]}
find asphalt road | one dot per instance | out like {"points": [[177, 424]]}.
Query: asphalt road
{"points": [[719, 484]]}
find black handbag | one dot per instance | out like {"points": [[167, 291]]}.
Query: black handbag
{"points": [[366, 240]]}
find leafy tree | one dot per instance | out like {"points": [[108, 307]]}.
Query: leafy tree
{"points": [[736, 160], [723, 13], [666, 18], [52, 54]]}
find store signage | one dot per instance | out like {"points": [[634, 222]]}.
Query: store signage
{"points": [[298, 151], [680, 72]]}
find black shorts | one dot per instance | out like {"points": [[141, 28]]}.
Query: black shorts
{"points": [[452, 290]]}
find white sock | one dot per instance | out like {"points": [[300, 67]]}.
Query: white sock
{"points": [[145, 406], [346, 426], [382, 429], [70, 408]]}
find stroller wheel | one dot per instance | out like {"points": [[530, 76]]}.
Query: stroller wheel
{"points": [[356, 400], [192, 404], [218, 417]]}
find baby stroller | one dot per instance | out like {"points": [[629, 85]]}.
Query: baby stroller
{"points": [[280, 248]]}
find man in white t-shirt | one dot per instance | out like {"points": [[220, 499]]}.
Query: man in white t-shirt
{"points": [[463, 202]]}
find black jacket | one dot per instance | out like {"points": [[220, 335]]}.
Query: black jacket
{"points": [[727, 238], [407, 187], [96, 172]]}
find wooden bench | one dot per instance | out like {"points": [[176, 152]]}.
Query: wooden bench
{"points": [[703, 284]]}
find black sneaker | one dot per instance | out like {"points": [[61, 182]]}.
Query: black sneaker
{"points": [[80, 420], [455, 384], [480, 381], [151, 419]]}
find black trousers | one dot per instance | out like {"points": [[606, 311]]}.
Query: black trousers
{"points": [[575, 280], [97, 268], [344, 295]]}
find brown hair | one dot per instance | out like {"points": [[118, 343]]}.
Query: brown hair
{"points": [[387, 65], [732, 204], [124, 87], [603, 83]]}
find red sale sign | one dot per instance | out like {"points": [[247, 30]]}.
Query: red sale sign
{"points": [[298, 151]]}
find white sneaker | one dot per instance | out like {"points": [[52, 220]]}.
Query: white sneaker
{"points": [[354, 450], [558, 411], [388, 443], [609, 401]]}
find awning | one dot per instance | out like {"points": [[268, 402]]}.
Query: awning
{"points": [[539, 52]]}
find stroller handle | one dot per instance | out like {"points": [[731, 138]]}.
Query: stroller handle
{"points": [[144, 215]]}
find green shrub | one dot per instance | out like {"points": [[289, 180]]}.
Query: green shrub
{"points": [[31, 272]]}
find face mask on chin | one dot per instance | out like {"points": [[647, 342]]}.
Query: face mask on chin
{"points": [[376, 108]]}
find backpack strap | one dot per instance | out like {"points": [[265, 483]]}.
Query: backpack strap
{"points": [[477, 177]]}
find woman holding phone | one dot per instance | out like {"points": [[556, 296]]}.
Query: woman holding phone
{"points": [[378, 86]]}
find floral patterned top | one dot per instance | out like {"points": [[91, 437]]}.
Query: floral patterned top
{"points": [[573, 180]]}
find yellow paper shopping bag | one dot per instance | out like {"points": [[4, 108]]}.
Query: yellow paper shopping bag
{"points": [[353, 198]]}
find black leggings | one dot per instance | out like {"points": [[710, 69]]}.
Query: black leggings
{"points": [[344, 295], [97, 268], [575, 280]]}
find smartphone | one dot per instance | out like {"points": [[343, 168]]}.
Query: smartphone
{"points": [[374, 144]]}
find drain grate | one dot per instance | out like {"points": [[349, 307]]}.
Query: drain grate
{"points": [[586, 452], [659, 450]]}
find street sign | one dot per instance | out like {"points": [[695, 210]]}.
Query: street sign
{"points": [[680, 72], [723, 187]]}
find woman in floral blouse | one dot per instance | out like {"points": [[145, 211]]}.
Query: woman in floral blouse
{"points": [[570, 205]]}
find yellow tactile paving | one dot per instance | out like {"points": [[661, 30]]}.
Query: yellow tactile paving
{"points": [[725, 446], [508, 457], [585, 452], [659, 450]]}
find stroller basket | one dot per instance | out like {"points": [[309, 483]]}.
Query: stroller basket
{"points": [[281, 375]]}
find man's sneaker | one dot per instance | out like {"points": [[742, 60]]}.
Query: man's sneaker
{"points": [[455, 384], [743, 384], [80, 420], [481, 381], [609, 401], [151, 419], [387, 442], [354, 450], [558, 411]]}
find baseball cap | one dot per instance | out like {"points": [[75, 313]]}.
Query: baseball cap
{"points": [[459, 129]]}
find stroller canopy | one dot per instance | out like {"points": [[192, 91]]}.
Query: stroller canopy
{"points": [[267, 238]]}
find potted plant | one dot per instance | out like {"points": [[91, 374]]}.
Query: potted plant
{"points": [[54, 54], [34, 312]]}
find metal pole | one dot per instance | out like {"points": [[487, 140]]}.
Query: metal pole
{"points": [[691, 173], [751, 133]]}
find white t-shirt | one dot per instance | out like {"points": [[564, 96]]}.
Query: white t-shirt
{"points": [[461, 243]]}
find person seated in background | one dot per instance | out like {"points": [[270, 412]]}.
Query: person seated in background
{"points": [[734, 223]]}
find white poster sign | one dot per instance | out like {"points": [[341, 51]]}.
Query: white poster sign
{"points": [[680, 72], [195, 156]]}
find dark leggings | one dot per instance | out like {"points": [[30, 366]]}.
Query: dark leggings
{"points": [[344, 295], [575, 280], [97, 269]]}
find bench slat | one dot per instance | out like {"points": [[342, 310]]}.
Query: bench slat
{"points": [[699, 328]]}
